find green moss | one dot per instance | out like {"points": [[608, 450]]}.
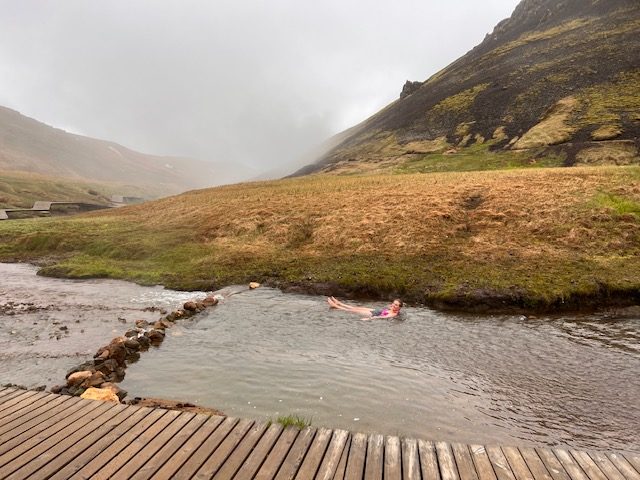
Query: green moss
{"points": [[607, 102], [478, 157], [460, 102]]}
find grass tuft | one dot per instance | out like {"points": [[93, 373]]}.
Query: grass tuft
{"points": [[294, 421]]}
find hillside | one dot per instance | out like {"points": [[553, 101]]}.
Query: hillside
{"points": [[556, 84], [526, 239], [27, 145]]}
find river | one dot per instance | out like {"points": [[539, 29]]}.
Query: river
{"points": [[508, 379]]}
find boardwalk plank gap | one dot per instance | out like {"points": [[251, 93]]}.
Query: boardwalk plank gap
{"points": [[48, 436]]}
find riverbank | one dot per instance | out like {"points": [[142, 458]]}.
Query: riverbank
{"points": [[525, 240]]}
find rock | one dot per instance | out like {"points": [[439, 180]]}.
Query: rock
{"points": [[132, 344], [190, 306], [158, 325], [167, 323], [96, 379], [82, 367], [409, 88], [155, 336], [200, 306], [253, 285], [118, 353], [78, 377], [131, 333], [144, 342], [56, 388], [132, 356], [210, 301], [102, 353], [101, 394], [107, 367], [120, 393], [142, 323]]}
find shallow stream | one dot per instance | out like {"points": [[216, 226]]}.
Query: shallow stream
{"points": [[570, 381]]}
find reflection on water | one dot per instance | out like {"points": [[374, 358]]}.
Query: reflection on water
{"points": [[500, 379]]}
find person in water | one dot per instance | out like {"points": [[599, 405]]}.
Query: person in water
{"points": [[391, 311]]}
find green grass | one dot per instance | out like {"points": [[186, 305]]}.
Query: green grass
{"points": [[293, 421], [618, 204], [478, 157]]}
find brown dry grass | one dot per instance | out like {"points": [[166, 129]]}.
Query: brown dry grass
{"points": [[546, 234]]}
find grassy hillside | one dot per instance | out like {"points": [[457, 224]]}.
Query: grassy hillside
{"points": [[538, 238], [558, 83], [20, 190]]}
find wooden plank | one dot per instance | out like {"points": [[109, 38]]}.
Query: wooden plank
{"points": [[6, 407], [169, 448], [72, 454], [137, 445], [296, 454], [606, 466], [464, 462], [500, 464], [392, 458], [482, 462], [13, 394], [26, 405], [517, 463], [242, 451], [633, 459], [15, 426], [624, 466], [18, 444], [280, 450], [357, 454], [22, 451], [448, 469], [411, 459], [315, 454], [588, 466], [152, 446], [428, 460], [258, 455], [215, 461], [32, 462], [570, 465], [195, 461], [332, 457], [341, 469], [554, 467], [118, 441], [535, 464], [178, 459], [374, 465]]}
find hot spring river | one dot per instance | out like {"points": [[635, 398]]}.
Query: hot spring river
{"points": [[571, 381]]}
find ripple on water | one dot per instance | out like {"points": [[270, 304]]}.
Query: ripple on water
{"points": [[495, 379]]}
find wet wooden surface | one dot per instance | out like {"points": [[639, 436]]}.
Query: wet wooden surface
{"points": [[46, 436]]}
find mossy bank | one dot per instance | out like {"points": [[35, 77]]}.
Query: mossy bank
{"points": [[538, 239]]}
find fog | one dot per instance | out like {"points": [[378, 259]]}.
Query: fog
{"points": [[254, 83]]}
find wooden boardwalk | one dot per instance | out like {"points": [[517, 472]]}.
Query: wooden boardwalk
{"points": [[43, 436]]}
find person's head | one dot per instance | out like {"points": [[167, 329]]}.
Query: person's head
{"points": [[396, 305]]}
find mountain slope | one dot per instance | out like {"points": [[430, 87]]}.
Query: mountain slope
{"points": [[30, 146], [558, 79]]}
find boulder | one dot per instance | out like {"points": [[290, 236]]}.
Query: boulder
{"points": [[79, 377], [144, 342], [253, 285], [94, 380], [155, 336], [142, 323], [56, 388], [210, 301], [82, 367], [190, 306], [132, 344], [115, 389], [101, 394]]}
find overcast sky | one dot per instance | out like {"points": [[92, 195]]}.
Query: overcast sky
{"points": [[252, 82]]}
